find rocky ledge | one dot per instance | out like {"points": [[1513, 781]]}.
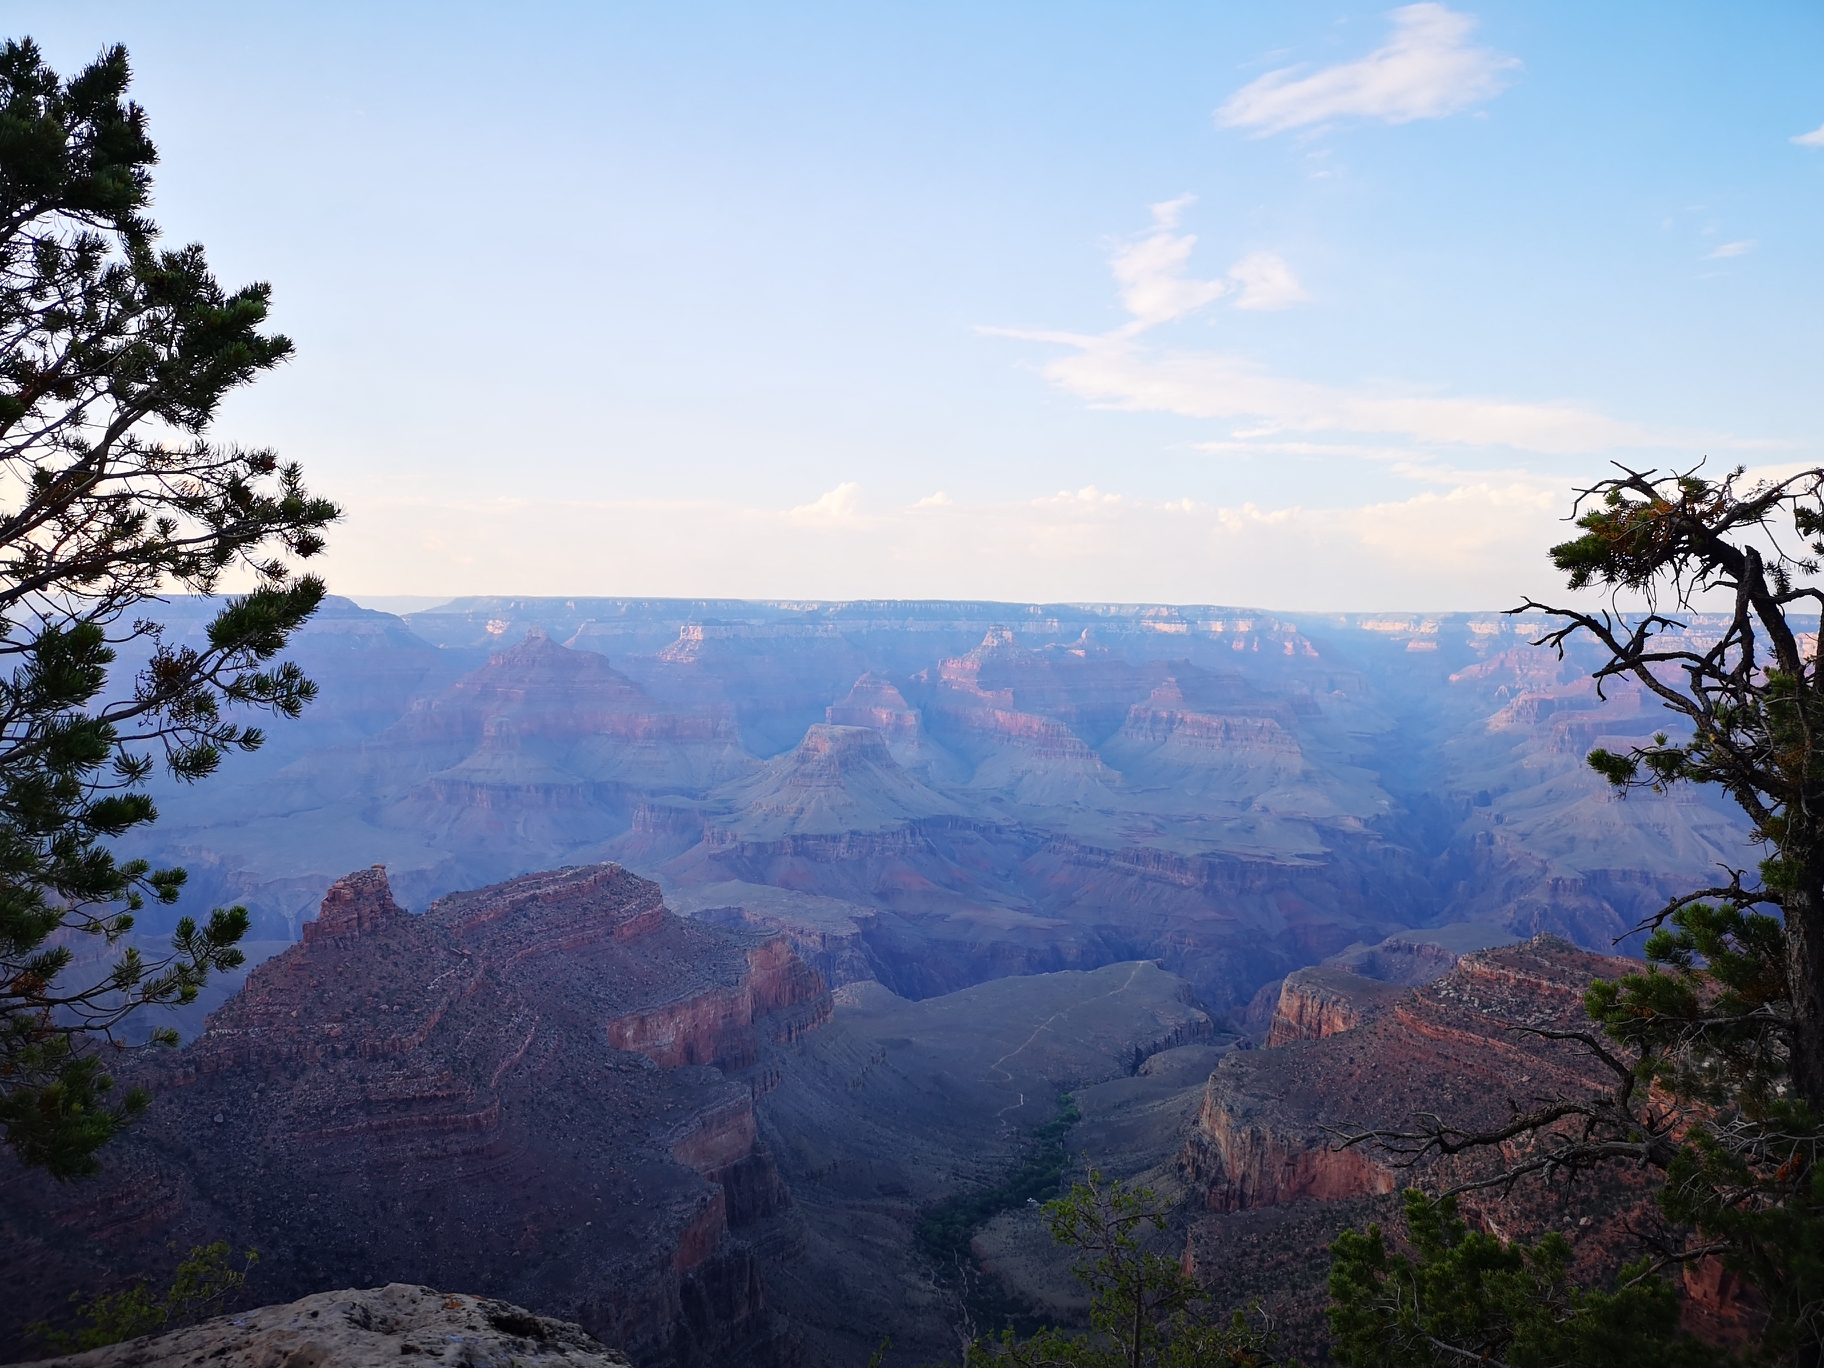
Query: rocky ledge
{"points": [[1355, 1054], [363, 1329], [1265, 1162]]}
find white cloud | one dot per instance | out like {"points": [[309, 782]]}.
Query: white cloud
{"points": [[1155, 287], [1117, 370], [1150, 272], [1426, 70], [1266, 282], [840, 507], [1815, 138], [1734, 249]]}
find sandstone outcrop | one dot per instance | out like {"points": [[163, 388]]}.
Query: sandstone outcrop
{"points": [[1267, 1130], [1264, 1161], [374, 1328], [358, 902], [543, 1089], [1321, 1001]]}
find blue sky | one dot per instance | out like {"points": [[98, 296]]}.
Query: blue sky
{"points": [[1294, 305]]}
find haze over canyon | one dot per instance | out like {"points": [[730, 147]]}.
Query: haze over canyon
{"points": [[841, 897]]}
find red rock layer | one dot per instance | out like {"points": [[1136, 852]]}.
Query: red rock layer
{"points": [[1322, 1001], [1263, 1158], [875, 702], [1445, 1048], [355, 903], [479, 1096], [780, 992]]}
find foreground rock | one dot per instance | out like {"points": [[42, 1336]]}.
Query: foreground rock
{"points": [[543, 1088], [359, 1329]]}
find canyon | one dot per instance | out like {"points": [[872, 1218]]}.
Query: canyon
{"points": [[984, 789], [1248, 1147], [662, 1129], [745, 932]]}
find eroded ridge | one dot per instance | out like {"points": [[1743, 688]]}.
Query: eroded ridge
{"points": [[543, 1089]]}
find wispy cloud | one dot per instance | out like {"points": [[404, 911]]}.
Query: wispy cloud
{"points": [[1150, 272], [1815, 138], [1734, 249], [1113, 373], [1155, 287], [1116, 369], [1426, 70], [1266, 282]]}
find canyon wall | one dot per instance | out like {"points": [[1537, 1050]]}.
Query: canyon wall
{"points": [[542, 1090], [1006, 788], [1273, 1181]]}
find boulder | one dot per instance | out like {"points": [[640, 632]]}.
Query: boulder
{"points": [[357, 1328]]}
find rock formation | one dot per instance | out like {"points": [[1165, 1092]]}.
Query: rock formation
{"points": [[542, 1089], [837, 780], [875, 701], [1323, 1001], [1070, 785], [1357, 1053], [1264, 1159], [376, 1328]]}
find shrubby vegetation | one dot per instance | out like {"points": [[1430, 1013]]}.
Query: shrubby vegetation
{"points": [[1144, 1311], [201, 1283], [1465, 1296], [945, 1229]]}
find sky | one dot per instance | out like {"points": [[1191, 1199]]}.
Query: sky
{"points": [[1293, 306]]}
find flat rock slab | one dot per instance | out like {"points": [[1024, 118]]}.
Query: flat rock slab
{"points": [[354, 1329]]}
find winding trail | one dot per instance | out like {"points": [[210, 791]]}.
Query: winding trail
{"points": [[1045, 1025]]}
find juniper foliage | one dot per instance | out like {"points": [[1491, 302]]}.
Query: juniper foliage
{"points": [[1144, 1310], [1715, 1049]]}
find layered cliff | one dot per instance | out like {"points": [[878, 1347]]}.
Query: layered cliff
{"points": [[1265, 1163], [542, 1090], [1354, 1053], [1323, 1001]]}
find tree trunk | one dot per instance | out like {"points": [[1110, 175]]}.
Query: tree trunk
{"points": [[1804, 915]]}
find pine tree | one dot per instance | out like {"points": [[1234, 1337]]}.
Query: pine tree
{"points": [[1716, 1048], [115, 353]]}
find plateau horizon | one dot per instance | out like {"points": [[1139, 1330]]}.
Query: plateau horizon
{"points": [[1154, 615]]}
